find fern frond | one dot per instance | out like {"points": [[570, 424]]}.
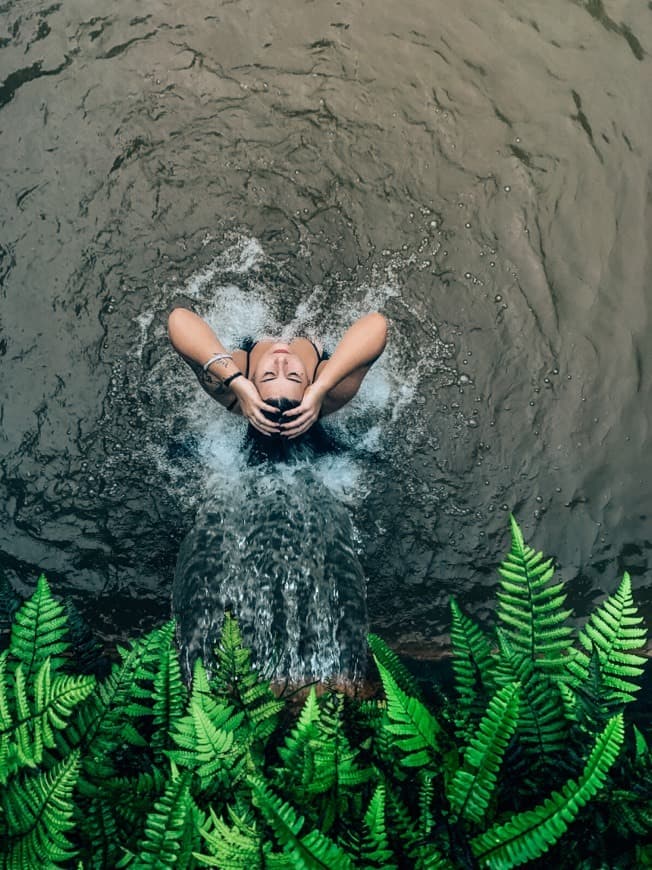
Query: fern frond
{"points": [[334, 760], [167, 825], [170, 697], [530, 609], [105, 720], [239, 846], [297, 752], [543, 721], [308, 851], [614, 630], [237, 682], [38, 810], [39, 631], [472, 664], [394, 666], [207, 737], [473, 785], [52, 705], [415, 730], [529, 834]]}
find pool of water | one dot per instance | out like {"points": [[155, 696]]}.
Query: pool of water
{"points": [[479, 171]]}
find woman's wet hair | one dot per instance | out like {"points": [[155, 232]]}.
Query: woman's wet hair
{"points": [[277, 448]]}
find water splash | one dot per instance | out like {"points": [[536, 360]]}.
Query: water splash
{"points": [[277, 546]]}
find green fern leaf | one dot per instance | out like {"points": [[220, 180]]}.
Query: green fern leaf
{"points": [[376, 851], [414, 728], [543, 720], [208, 737], [529, 834], [297, 752], [239, 846], [472, 665], [32, 728], [38, 810], [38, 631], [170, 695], [311, 851], [530, 610], [472, 786], [165, 829], [237, 683], [392, 663], [614, 630]]}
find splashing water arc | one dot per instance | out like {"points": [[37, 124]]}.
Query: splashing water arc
{"points": [[478, 171]]}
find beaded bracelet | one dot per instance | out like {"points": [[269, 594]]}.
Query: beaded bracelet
{"points": [[227, 382]]}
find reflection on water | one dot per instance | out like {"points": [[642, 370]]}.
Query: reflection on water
{"points": [[479, 170]]}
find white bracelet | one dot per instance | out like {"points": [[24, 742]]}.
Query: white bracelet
{"points": [[216, 358]]}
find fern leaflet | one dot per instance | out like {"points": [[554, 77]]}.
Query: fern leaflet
{"points": [[530, 609], [529, 834], [614, 630], [472, 786]]}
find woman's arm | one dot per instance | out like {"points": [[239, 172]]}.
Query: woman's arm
{"points": [[340, 377], [195, 341]]}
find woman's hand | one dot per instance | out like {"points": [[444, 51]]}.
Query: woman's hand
{"points": [[304, 415], [252, 406]]}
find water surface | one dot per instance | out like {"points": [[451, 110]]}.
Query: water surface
{"points": [[479, 170]]}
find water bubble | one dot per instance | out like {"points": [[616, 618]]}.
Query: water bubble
{"points": [[492, 263], [539, 499], [472, 422], [555, 371], [546, 380], [558, 489], [465, 379], [467, 225], [467, 275], [518, 139], [531, 404], [507, 188], [433, 224], [498, 298], [504, 507]]}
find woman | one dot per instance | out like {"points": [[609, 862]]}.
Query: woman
{"points": [[281, 388]]}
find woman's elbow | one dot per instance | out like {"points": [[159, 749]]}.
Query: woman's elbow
{"points": [[381, 327]]}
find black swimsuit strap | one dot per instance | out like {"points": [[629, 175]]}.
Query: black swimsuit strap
{"points": [[320, 357], [248, 344]]}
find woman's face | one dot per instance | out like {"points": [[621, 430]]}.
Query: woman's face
{"points": [[280, 374]]}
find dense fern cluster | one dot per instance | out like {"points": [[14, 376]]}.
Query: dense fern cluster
{"points": [[135, 770]]}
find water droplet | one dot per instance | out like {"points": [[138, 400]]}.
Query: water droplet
{"points": [[539, 499], [531, 404], [518, 139], [555, 371], [467, 275], [467, 225], [498, 298], [507, 188], [546, 380], [465, 379], [472, 422], [558, 489], [504, 507], [492, 263]]}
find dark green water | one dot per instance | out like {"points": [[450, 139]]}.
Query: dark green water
{"points": [[480, 170]]}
